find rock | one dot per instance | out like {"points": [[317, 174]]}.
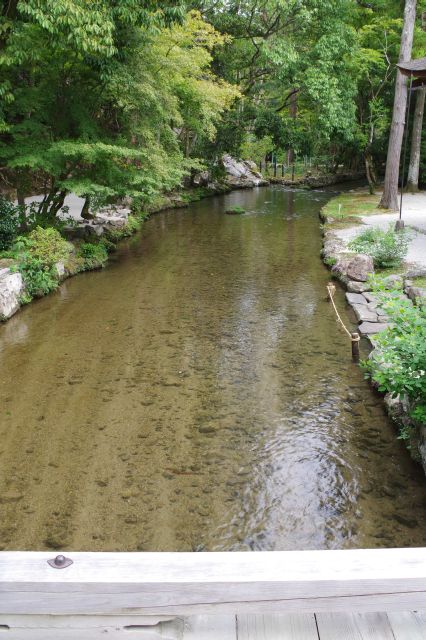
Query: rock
{"points": [[60, 270], [10, 497], [11, 289], [357, 287], [340, 269], [370, 328], [416, 272], [207, 429], [394, 282], [417, 295], [355, 298], [360, 267], [411, 523], [370, 297], [364, 314], [84, 231], [241, 174], [201, 179]]}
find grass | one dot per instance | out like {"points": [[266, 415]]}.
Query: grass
{"points": [[352, 205], [420, 281]]}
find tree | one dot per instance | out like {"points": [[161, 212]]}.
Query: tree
{"points": [[104, 117], [413, 170], [389, 199]]}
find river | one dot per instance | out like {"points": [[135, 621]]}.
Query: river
{"points": [[197, 394]]}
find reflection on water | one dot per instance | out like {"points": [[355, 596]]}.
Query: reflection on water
{"points": [[197, 395]]}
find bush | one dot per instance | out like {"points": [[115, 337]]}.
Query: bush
{"points": [[37, 254], [387, 248], [47, 246], [399, 366], [39, 279], [9, 223], [94, 255]]}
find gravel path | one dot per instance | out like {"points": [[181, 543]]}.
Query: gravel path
{"points": [[414, 215]]}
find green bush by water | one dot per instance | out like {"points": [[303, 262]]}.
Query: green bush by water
{"points": [[399, 366], [36, 254], [387, 248], [94, 256]]}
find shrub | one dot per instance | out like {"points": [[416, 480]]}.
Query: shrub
{"points": [[94, 255], [387, 248], [399, 366], [47, 246], [9, 223], [39, 279]]}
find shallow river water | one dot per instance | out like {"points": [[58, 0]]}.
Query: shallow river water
{"points": [[198, 395]]}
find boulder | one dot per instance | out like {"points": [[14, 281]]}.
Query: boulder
{"points": [[201, 179], [360, 267], [394, 282], [417, 295], [340, 269], [241, 174], [11, 290], [357, 287], [60, 270]]}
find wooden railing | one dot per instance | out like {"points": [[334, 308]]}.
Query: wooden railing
{"points": [[145, 588]]}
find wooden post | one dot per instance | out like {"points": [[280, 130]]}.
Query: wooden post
{"points": [[355, 346], [282, 170], [275, 168], [292, 173]]}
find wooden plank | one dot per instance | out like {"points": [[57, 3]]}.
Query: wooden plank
{"points": [[87, 627], [407, 626], [210, 628], [373, 626], [219, 583], [287, 626], [348, 626], [337, 626]]}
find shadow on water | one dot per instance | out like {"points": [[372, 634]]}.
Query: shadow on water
{"points": [[197, 394]]}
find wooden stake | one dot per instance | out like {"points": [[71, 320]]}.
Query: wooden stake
{"points": [[355, 346]]}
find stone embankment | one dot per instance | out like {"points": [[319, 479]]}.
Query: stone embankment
{"points": [[320, 181], [355, 272]]}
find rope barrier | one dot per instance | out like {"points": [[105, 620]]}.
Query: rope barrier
{"points": [[354, 337]]}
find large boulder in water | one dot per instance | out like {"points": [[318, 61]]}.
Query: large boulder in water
{"points": [[241, 174]]}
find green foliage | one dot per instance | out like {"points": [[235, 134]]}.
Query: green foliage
{"points": [[36, 254], [9, 223], [398, 364], [45, 245], [387, 248], [235, 211], [94, 256], [39, 279]]}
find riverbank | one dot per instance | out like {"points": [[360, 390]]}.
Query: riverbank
{"points": [[92, 237], [344, 217]]}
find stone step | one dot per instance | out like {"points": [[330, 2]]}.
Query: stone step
{"points": [[364, 314], [371, 328]]}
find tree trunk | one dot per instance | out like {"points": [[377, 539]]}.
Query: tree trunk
{"points": [[293, 115], [85, 212], [390, 193], [369, 171], [413, 171]]}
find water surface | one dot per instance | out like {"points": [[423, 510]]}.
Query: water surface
{"points": [[198, 395]]}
